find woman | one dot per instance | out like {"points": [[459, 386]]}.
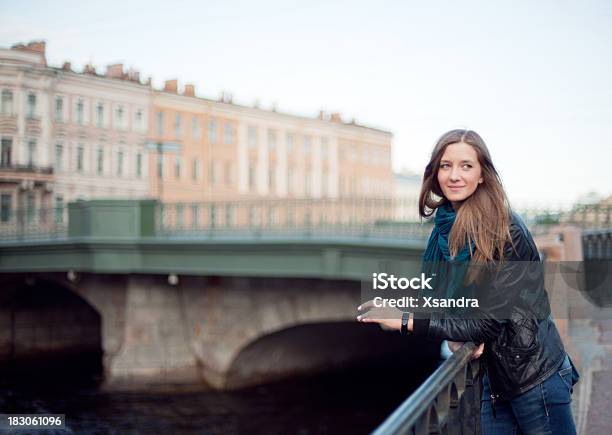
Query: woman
{"points": [[529, 377]]}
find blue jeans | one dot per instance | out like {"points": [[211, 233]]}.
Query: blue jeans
{"points": [[545, 409]]}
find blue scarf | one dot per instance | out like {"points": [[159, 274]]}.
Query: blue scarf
{"points": [[437, 246], [449, 271]]}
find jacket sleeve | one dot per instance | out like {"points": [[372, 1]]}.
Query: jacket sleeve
{"points": [[476, 330], [504, 294], [438, 326]]}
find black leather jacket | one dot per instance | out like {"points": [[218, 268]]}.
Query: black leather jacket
{"points": [[522, 348]]}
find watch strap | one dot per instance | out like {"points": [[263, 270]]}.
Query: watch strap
{"points": [[405, 317]]}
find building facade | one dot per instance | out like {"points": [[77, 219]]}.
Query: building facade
{"points": [[99, 127], [67, 135], [26, 175], [217, 150], [70, 135]]}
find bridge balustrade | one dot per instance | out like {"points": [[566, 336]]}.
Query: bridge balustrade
{"points": [[354, 217], [448, 402]]}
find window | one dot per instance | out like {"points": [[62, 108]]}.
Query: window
{"points": [[195, 215], [212, 213], [324, 186], [195, 128], [100, 115], [228, 173], [229, 215], [289, 139], [5, 207], [271, 179], [138, 120], [160, 123], [228, 134], [212, 173], [177, 125], [271, 139], [212, 130], [195, 170], [290, 216], [79, 112], [31, 153], [160, 165], [59, 109], [120, 163], [307, 179], [177, 167], [5, 156], [271, 215], [179, 215], [324, 148], [252, 179], [290, 175], [30, 207], [252, 137], [59, 155], [7, 102], [253, 216], [139, 165], [31, 111], [307, 144], [120, 116], [100, 161], [79, 158], [59, 209]]}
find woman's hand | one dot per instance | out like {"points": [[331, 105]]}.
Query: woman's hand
{"points": [[388, 318], [454, 346]]}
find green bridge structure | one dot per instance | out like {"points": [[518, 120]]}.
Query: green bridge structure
{"points": [[128, 237]]}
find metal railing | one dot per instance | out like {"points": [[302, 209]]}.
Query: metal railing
{"points": [[585, 216], [14, 167], [597, 244], [447, 402], [34, 223], [346, 217], [306, 217]]}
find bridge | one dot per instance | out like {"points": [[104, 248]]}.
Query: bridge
{"points": [[161, 300]]}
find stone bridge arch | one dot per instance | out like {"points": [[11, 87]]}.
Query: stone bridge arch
{"points": [[309, 348], [47, 328], [234, 313]]}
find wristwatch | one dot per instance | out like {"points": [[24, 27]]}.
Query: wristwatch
{"points": [[405, 317]]}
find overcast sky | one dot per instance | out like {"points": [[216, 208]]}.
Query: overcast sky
{"points": [[533, 78]]}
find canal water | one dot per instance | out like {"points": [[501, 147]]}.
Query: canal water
{"points": [[352, 400]]}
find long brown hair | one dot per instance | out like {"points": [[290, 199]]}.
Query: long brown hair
{"points": [[483, 219]]}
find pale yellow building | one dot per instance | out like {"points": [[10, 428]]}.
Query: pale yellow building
{"points": [[217, 150]]}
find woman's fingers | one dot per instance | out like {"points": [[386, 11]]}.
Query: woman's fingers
{"points": [[454, 346], [366, 305], [389, 318], [379, 313], [393, 324], [478, 351]]}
